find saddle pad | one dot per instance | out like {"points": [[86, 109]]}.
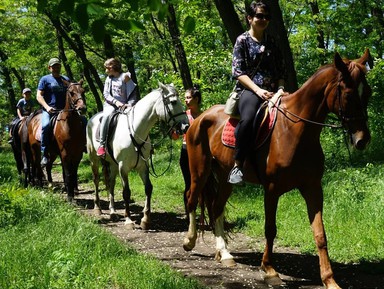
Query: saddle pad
{"points": [[228, 134]]}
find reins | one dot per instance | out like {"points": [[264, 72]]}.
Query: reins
{"points": [[138, 146]]}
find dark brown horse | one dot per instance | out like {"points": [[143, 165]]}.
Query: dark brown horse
{"points": [[68, 139], [291, 158], [20, 153]]}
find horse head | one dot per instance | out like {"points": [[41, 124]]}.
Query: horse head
{"points": [[171, 111], [75, 98], [353, 93]]}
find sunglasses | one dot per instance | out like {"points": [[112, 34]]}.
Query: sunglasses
{"points": [[263, 16]]}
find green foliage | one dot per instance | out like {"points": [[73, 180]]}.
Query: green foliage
{"points": [[59, 248]]}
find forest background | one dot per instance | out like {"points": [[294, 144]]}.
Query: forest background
{"points": [[183, 42]]}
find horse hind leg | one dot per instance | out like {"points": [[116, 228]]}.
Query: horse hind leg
{"points": [[96, 181], [199, 176]]}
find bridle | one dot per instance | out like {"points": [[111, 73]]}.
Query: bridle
{"points": [[342, 117], [138, 146], [73, 102], [172, 117]]}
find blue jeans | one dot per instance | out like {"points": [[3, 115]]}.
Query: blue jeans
{"points": [[46, 132]]}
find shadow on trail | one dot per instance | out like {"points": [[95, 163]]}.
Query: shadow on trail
{"points": [[299, 271], [304, 270], [160, 221]]}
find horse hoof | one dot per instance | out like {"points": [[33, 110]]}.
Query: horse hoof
{"points": [[114, 217], [188, 245], [98, 212], [129, 225], [273, 280], [228, 263], [144, 225]]}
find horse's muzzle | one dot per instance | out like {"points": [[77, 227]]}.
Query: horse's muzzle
{"points": [[82, 109], [184, 127], [360, 139]]}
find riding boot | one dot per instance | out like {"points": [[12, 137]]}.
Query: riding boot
{"points": [[44, 159], [236, 174]]}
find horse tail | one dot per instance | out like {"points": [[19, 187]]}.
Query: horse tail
{"points": [[106, 173]]}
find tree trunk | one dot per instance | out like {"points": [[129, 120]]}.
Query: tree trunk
{"points": [[78, 47], [8, 82], [230, 19], [179, 49], [277, 29]]}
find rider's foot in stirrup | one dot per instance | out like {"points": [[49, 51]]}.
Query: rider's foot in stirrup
{"points": [[44, 161], [235, 176], [101, 151]]}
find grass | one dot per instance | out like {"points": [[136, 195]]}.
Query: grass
{"points": [[47, 244]]}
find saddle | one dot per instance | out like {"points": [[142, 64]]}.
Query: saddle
{"points": [[266, 116]]}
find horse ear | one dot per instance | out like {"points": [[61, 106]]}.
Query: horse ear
{"points": [[339, 63], [66, 82], [81, 81]]}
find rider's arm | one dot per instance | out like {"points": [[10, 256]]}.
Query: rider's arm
{"points": [[41, 100]]}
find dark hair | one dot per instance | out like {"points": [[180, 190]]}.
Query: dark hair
{"points": [[114, 63], [195, 92], [250, 10]]}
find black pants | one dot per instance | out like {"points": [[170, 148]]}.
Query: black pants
{"points": [[184, 165], [246, 130]]}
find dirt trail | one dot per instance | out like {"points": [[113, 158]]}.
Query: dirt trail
{"points": [[164, 241]]}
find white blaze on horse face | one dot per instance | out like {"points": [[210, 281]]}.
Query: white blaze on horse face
{"points": [[360, 90]]}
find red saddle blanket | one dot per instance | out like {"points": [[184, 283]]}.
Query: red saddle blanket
{"points": [[228, 135]]}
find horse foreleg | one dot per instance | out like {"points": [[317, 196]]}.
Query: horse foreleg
{"points": [[222, 253], [96, 181], [111, 188], [314, 201], [146, 220], [126, 196], [270, 207]]}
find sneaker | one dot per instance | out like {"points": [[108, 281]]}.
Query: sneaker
{"points": [[235, 176], [44, 161], [100, 151]]}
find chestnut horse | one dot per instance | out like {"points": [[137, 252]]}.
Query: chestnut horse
{"points": [[68, 139], [291, 158]]}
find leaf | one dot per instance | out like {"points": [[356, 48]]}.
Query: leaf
{"points": [[82, 16], [98, 30], [154, 5], [136, 26], [94, 9], [134, 4], [67, 6], [162, 12], [189, 24], [41, 4], [120, 24]]}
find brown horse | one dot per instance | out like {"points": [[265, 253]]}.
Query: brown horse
{"points": [[68, 139], [291, 158], [21, 155]]}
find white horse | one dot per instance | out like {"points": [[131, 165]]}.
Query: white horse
{"points": [[129, 146]]}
